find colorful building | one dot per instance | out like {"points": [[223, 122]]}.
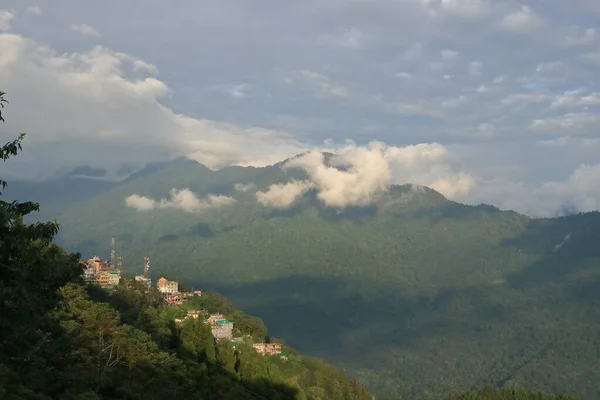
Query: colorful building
{"points": [[222, 329]]}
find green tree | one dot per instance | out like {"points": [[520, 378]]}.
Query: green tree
{"points": [[32, 268]]}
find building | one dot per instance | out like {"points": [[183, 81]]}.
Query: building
{"points": [[108, 278], [215, 317], [267, 348], [165, 286], [169, 290], [174, 298], [222, 329], [194, 314]]}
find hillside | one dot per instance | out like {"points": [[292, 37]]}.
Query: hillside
{"points": [[415, 295]]}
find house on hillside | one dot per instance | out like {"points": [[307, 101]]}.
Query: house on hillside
{"points": [[169, 290], [222, 329], [215, 317], [267, 348], [108, 278]]}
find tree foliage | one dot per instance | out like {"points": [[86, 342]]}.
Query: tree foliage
{"points": [[61, 339]]}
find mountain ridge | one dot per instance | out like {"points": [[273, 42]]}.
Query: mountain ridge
{"points": [[413, 282]]}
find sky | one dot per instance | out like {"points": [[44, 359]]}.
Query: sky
{"points": [[484, 100]]}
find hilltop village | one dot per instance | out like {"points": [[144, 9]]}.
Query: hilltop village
{"points": [[108, 274]]}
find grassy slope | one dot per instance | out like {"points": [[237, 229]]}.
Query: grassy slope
{"points": [[418, 296]]}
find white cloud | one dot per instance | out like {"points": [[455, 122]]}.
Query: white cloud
{"points": [[81, 97], [588, 36], [473, 10], [70, 102], [521, 21], [85, 30], [570, 123], [357, 176], [572, 99], [244, 187], [403, 75], [283, 195], [35, 10], [5, 20], [348, 38], [180, 199], [238, 91], [322, 85], [593, 57], [475, 67], [580, 192], [140, 203], [448, 54]]}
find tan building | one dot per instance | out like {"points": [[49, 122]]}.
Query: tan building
{"points": [[165, 286], [267, 348], [108, 278]]}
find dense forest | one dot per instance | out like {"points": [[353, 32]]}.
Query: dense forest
{"points": [[401, 294], [62, 339]]}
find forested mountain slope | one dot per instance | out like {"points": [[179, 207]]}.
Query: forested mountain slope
{"points": [[415, 295]]}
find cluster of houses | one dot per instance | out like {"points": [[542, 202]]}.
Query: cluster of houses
{"points": [[222, 329], [101, 273], [169, 291], [106, 276]]}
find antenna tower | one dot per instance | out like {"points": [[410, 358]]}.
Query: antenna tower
{"points": [[120, 264], [112, 251], [146, 267]]}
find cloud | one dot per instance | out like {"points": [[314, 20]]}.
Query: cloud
{"points": [[140, 203], [580, 192], [448, 54], [470, 10], [319, 83], [522, 21], [101, 98], [237, 91], [180, 199], [85, 30], [357, 176], [592, 57], [244, 187], [388, 66], [35, 10], [570, 123], [588, 36], [283, 195], [347, 38], [5, 20]]}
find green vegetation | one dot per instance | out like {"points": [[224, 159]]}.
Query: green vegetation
{"points": [[491, 393], [61, 339], [415, 296]]}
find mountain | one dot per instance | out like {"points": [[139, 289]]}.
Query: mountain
{"points": [[415, 295]]}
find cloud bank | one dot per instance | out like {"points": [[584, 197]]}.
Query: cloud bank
{"points": [[356, 176], [180, 199], [481, 85]]}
